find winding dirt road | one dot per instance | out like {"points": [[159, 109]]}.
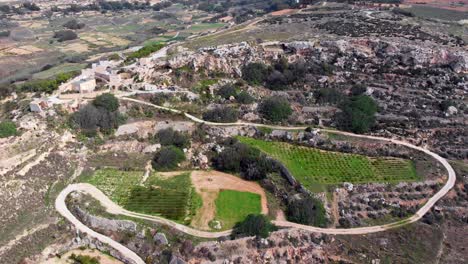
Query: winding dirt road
{"points": [[113, 208]]}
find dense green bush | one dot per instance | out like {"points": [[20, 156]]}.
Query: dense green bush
{"points": [[255, 73], [74, 24], [357, 114], [358, 89], [65, 35], [7, 129], [308, 211], [275, 109], [169, 137], [241, 158], [254, 225], [226, 91], [168, 158], [107, 101], [244, 98], [221, 114]]}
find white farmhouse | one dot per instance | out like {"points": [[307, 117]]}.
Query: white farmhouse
{"points": [[84, 85]]}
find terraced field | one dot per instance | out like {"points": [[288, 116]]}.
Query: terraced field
{"points": [[314, 167], [170, 197]]}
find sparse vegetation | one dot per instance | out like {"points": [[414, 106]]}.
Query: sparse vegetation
{"points": [[7, 129], [83, 259]]}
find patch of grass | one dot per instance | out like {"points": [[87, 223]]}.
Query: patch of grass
{"points": [[313, 166], [233, 207], [116, 184], [437, 13]]}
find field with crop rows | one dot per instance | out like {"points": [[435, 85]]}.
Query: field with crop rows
{"points": [[234, 206], [173, 197], [313, 166]]}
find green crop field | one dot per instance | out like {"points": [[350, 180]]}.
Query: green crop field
{"points": [[234, 206], [314, 167], [173, 197]]}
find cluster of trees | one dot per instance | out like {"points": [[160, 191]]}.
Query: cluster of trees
{"points": [[83, 259], [307, 211], [168, 137], [357, 114], [221, 114], [7, 129], [65, 35], [102, 114], [275, 109], [280, 76], [74, 24], [168, 158], [171, 154], [48, 85], [240, 158], [229, 90], [145, 51], [254, 225]]}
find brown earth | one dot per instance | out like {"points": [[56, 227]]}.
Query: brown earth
{"points": [[209, 183]]}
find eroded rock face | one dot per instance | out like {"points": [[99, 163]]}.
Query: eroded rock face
{"points": [[111, 225]]}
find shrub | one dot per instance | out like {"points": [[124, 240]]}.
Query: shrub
{"points": [[168, 158], [107, 101], [358, 89], [275, 109], [226, 91], [244, 98], [169, 137], [357, 114], [255, 73], [7, 129], [65, 35], [329, 96], [222, 114], [308, 211], [241, 158], [74, 24], [254, 225], [83, 259]]}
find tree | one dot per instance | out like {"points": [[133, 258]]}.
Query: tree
{"points": [[254, 225], [244, 159], [169, 137], [275, 109], [357, 114], [329, 96], [7, 129], [168, 158], [226, 91], [74, 24], [107, 101], [255, 73], [244, 98], [308, 211], [222, 114], [65, 35]]}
